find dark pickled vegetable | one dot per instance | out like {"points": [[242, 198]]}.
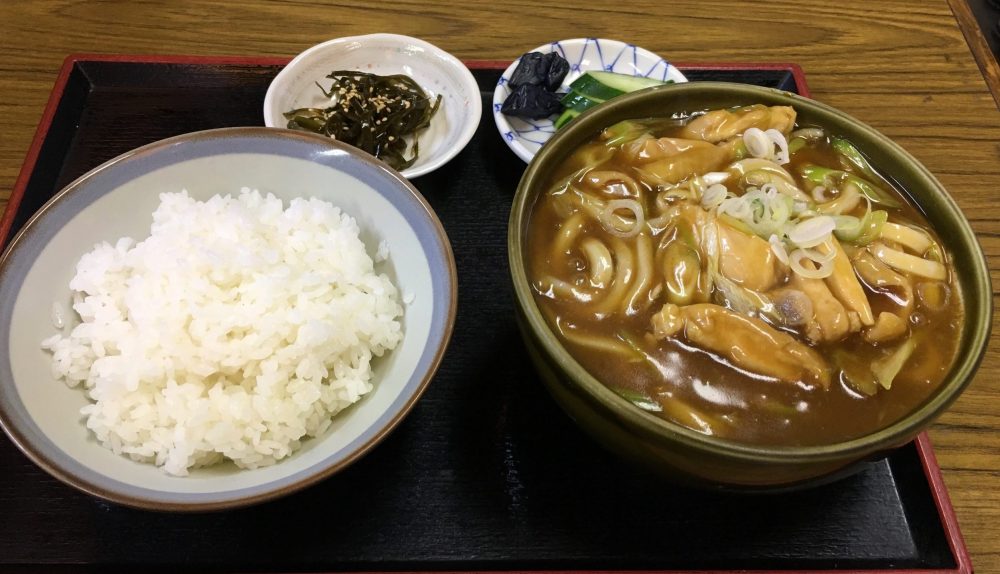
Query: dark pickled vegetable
{"points": [[371, 112], [531, 102], [537, 69], [533, 85]]}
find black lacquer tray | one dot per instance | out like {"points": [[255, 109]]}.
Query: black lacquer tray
{"points": [[486, 473]]}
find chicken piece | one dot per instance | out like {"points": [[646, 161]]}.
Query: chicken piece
{"points": [[681, 267], [844, 284], [883, 279], [690, 222], [747, 342], [830, 321], [886, 328], [719, 125], [668, 322], [746, 259], [672, 160], [650, 149]]}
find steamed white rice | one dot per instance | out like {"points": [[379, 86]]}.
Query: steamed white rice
{"points": [[235, 331]]}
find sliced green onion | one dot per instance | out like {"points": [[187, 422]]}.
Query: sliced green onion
{"points": [[607, 217], [714, 196], [795, 145], [847, 227], [822, 270], [871, 227], [819, 194], [809, 133], [867, 229], [819, 257], [714, 177], [740, 150], [851, 154], [763, 211], [873, 192], [817, 175], [778, 139], [778, 248], [935, 253], [813, 231], [758, 144], [623, 132]]}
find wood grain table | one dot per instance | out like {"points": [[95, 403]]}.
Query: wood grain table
{"points": [[902, 66]]}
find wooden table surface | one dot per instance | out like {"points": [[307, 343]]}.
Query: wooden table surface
{"points": [[901, 66]]}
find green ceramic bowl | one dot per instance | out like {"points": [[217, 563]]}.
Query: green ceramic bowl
{"points": [[690, 456]]}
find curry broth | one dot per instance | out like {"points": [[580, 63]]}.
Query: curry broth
{"points": [[705, 391]]}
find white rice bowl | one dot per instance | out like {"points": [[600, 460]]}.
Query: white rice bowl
{"points": [[237, 330]]}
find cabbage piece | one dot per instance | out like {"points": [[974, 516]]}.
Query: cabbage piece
{"points": [[854, 373], [886, 369]]}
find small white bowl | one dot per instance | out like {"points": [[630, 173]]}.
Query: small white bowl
{"points": [[435, 70], [526, 137]]}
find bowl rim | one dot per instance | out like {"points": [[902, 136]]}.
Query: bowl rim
{"points": [[226, 499], [498, 96], [960, 376], [454, 145]]}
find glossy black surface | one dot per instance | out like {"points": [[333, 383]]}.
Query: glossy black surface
{"points": [[987, 13], [486, 472]]}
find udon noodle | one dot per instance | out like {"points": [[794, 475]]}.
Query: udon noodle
{"points": [[744, 277]]}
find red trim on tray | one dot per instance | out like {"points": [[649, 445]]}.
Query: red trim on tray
{"points": [[486, 64], [942, 501], [180, 59], [30, 158], [924, 447], [886, 571]]}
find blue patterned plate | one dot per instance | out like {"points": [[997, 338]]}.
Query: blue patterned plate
{"points": [[526, 137]]}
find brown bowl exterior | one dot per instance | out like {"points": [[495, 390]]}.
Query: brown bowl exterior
{"points": [[688, 456]]}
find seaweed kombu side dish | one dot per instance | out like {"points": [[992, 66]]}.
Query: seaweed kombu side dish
{"points": [[371, 112]]}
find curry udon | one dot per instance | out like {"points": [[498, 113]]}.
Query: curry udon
{"points": [[745, 277]]}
